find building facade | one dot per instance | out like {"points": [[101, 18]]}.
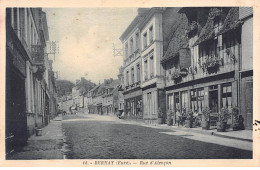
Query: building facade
{"points": [[132, 68], [144, 76], [156, 28], [121, 91], [246, 66], [110, 97], [206, 72], [31, 90]]}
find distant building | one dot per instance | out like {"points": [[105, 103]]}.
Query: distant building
{"points": [[79, 93], [110, 102], [121, 90]]}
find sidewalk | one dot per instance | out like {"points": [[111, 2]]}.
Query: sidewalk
{"points": [[243, 135], [47, 146]]}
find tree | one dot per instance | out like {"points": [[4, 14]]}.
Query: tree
{"points": [[64, 87]]}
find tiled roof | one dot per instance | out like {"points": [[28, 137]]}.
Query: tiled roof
{"points": [[231, 22], [207, 32], [178, 38], [93, 89]]}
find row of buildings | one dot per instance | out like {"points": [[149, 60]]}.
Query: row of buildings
{"points": [[86, 97], [188, 58], [177, 59], [30, 82]]}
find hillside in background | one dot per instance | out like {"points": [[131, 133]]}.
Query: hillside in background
{"points": [[64, 87]]}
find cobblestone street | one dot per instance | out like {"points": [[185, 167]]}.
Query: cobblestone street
{"points": [[99, 138]]}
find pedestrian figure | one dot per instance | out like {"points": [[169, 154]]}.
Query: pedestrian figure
{"points": [[122, 116], [241, 125], [196, 118], [70, 110], [178, 117]]}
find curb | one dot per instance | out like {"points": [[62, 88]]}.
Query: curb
{"points": [[204, 132], [231, 137]]}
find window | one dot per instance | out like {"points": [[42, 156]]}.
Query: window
{"points": [[15, 11], [137, 39], [133, 75], [184, 100], [145, 70], [138, 72], [131, 45], [145, 40], [226, 95], [127, 78], [177, 102], [22, 21], [151, 34], [197, 99], [193, 98], [200, 99], [151, 67], [170, 102], [126, 49], [213, 98]]}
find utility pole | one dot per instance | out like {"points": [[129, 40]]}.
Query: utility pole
{"points": [[117, 51], [53, 48]]}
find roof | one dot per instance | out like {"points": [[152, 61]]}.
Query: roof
{"points": [[149, 14], [132, 25], [137, 20], [178, 39], [231, 22], [100, 89], [114, 84], [207, 32], [93, 89]]}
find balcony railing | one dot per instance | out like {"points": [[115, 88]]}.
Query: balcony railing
{"points": [[37, 54], [133, 86], [131, 57], [209, 67]]}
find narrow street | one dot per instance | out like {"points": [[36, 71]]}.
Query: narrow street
{"points": [[103, 137]]}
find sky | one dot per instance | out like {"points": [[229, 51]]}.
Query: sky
{"points": [[86, 37]]}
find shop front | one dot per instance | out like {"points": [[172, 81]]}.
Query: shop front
{"points": [[214, 95], [154, 102], [134, 105]]}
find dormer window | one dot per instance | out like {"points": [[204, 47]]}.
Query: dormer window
{"points": [[217, 25]]}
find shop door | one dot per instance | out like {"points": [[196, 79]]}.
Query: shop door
{"points": [[249, 104], [213, 101], [16, 120]]}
